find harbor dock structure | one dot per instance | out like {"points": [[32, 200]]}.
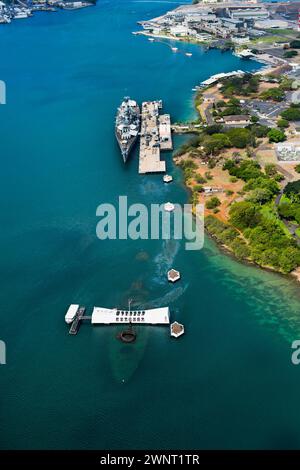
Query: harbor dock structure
{"points": [[173, 275], [176, 329], [71, 313], [169, 207], [107, 316], [167, 178], [155, 136], [77, 320], [219, 76]]}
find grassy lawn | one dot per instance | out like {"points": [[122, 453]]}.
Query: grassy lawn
{"points": [[288, 31], [268, 40], [268, 211], [298, 232]]}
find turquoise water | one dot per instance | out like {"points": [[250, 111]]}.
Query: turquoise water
{"points": [[229, 382]]}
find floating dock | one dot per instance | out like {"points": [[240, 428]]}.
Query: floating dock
{"points": [[167, 178], [176, 329], [155, 136], [173, 275], [77, 321], [169, 207]]}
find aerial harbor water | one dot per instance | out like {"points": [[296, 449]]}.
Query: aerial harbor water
{"points": [[229, 381]]}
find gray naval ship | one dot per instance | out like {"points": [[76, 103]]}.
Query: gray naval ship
{"points": [[127, 126]]}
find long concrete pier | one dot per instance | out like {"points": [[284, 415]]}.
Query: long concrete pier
{"points": [[155, 136]]}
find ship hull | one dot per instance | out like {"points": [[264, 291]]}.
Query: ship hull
{"points": [[125, 150], [127, 126]]}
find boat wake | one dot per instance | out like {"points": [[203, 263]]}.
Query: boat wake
{"points": [[164, 261]]}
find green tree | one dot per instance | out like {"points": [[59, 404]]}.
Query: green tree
{"points": [[291, 114], [292, 191], [259, 130], [216, 142], [289, 259], [270, 169], [276, 135], [283, 123], [295, 44], [290, 54], [240, 138], [275, 94], [200, 179], [262, 182], [244, 214], [213, 129], [212, 203], [259, 196]]}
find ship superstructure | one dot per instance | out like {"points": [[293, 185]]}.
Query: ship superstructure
{"points": [[127, 126]]}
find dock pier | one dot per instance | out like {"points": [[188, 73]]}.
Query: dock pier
{"points": [[155, 136], [77, 321]]}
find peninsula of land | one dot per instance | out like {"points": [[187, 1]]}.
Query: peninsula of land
{"points": [[243, 162]]}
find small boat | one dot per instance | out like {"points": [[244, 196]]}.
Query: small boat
{"points": [[188, 54], [174, 49], [151, 39]]}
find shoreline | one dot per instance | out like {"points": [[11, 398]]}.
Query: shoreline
{"points": [[225, 249]]}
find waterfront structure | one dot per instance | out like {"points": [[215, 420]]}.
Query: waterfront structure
{"points": [[167, 178], [165, 137], [169, 207], [24, 9], [106, 316], [71, 313], [155, 136], [176, 329], [219, 76], [127, 126], [173, 275], [74, 5]]}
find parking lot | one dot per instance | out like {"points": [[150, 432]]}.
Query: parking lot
{"points": [[266, 111]]}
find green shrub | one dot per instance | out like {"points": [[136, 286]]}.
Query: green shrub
{"points": [[244, 214], [276, 135], [283, 123], [200, 179], [212, 203]]}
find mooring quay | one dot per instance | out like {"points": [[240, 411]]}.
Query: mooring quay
{"points": [[155, 136]]}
